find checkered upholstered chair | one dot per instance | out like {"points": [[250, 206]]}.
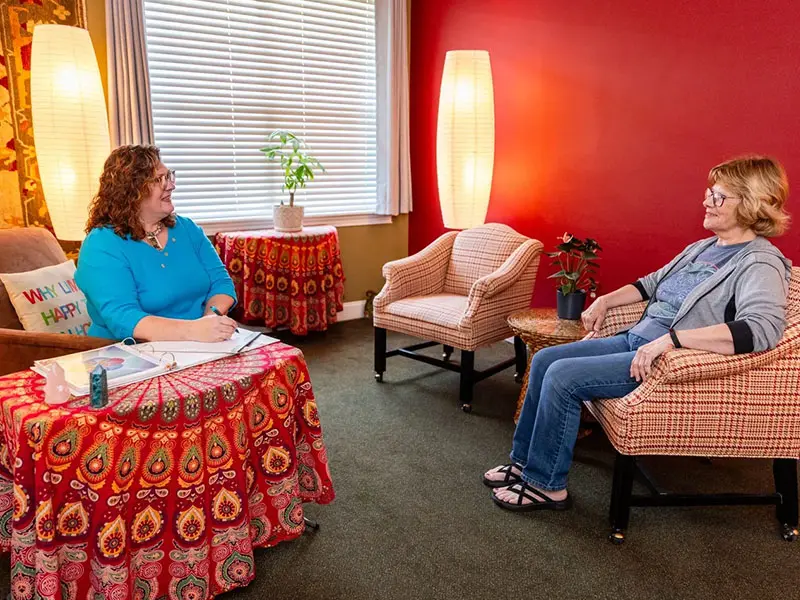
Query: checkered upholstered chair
{"points": [[458, 292], [704, 404]]}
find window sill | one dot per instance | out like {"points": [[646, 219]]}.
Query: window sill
{"points": [[214, 227]]}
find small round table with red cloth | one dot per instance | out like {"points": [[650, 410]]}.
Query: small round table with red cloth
{"points": [[165, 492], [293, 279]]}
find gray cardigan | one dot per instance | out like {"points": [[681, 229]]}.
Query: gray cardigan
{"points": [[748, 294]]}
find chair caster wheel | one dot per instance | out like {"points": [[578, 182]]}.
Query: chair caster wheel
{"points": [[467, 408], [518, 377], [311, 524], [789, 533], [379, 377], [617, 537]]}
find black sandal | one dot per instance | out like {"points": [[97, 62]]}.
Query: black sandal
{"points": [[539, 500], [509, 479]]}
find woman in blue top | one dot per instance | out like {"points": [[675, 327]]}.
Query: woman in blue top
{"points": [[146, 272]]}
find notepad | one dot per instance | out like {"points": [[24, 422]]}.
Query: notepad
{"points": [[126, 364]]}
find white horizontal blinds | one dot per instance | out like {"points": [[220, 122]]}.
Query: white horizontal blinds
{"points": [[225, 73]]}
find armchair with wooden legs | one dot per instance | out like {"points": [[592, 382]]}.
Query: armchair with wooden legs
{"points": [[703, 404], [458, 292]]}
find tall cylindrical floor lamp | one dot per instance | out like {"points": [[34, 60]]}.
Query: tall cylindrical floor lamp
{"points": [[465, 138], [70, 124]]}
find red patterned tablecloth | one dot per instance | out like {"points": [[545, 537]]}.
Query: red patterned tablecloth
{"points": [[166, 491], [293, 279]]}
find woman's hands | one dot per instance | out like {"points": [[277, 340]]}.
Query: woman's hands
{"points": [[593, 317], [642, 365], [211, 328]]}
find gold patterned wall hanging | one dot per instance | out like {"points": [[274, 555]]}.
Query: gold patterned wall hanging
{"points": [[21, 199]]}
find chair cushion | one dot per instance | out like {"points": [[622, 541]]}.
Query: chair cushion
{"points": [[444, 310], [478, 252], [47, 300]]}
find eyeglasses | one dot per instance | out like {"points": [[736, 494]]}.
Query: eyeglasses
{"points": [[166, 178], [718, 198]]}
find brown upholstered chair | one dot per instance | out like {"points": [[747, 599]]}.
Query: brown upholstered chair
{"points": [[703, 404], [25, 250]]}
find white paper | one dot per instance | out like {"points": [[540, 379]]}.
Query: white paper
{"points": [[182, 354]]}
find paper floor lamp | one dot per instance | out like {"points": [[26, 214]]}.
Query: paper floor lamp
{"points": [[70, 124], [465, 138]]}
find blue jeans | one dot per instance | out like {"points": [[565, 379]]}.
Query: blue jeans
{"points": [[560, 379]]}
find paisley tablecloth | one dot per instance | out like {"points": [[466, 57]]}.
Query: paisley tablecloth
{"points": [[281, 279], [166, 491]]}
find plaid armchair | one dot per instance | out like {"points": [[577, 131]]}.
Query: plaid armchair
{"points": [[700, 403], [458, 292]]}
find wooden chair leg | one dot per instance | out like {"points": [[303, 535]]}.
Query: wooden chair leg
{"points": [[622, 487], [521, 354], [447, 352], [785, 472], [380, 353], [467, 379]]}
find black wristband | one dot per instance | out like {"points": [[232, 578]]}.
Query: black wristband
{"points": [[675, 341]]}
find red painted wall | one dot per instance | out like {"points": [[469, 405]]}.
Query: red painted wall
{"points": [[610, 114]]}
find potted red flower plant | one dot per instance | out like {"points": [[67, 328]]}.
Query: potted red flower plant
{"points": [[576, 260]]}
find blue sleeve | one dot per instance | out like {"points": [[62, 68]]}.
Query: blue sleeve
{"points": [[105, 277], [221, 282]]}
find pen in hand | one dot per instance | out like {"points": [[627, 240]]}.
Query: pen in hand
{"points": [[215, 310]]}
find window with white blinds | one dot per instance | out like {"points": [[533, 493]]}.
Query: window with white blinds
{"points": [[226, 73]]}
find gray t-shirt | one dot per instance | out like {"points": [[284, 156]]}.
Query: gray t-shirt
{"points": [[677, 286]]}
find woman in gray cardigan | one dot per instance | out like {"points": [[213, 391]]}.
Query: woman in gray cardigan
{"points": [[724, 294]]}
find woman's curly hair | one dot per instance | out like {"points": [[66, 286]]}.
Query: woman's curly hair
{"points": [[127, 175]]}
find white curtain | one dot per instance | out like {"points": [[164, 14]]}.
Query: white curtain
{"points": [[130, 117], [394, 162]]}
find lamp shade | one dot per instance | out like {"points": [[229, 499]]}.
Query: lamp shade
{"points": [[465, 138], [70, 124]]}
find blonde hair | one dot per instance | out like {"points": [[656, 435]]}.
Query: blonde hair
{"points": [[761, 184]]}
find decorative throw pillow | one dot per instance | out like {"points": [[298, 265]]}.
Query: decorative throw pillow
{"points": [[47, 300]]}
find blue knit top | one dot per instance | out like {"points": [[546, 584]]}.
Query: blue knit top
{"points": [[126, 280]]}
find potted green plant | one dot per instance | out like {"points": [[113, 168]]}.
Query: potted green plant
{"points": [[576, 260], [298, 167]]}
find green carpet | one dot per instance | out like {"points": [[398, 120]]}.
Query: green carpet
{"points": [[413, 520]]}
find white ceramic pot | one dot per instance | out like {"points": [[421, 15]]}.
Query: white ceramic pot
{"points": [[287, 218]]}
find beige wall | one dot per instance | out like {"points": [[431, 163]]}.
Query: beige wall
{"points": [[364, 249], [96, 23]]}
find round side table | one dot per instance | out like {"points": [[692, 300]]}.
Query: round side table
{"points": [[540, 328], [293, 279]]}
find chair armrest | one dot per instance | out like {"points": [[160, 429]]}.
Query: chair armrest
{"points": [[683, 366], [18, 349], [420, 274], [621, 317], [508, 273], [503, 278]]}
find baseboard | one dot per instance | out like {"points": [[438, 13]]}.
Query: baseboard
{"points": [[351, 311]]}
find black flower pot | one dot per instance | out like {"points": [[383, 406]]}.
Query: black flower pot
{"points": [[571, 306]]}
